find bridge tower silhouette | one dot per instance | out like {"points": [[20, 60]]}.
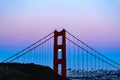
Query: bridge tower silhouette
{"points": [[62, 47]]}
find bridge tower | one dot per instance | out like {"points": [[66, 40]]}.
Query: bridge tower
{"points": [[62, 47]]}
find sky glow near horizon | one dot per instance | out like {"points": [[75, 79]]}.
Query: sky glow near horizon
{"points": [[96, 22]]}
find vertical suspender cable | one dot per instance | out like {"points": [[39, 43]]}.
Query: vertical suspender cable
{"points": [[95, 61], [78, 59], [91, 60], [34, 55], [48, 58], [69, 54], [95, 64], [87, 62], [83, 60], [44, 52], [50, 53], [73, 54], [41, 54]]}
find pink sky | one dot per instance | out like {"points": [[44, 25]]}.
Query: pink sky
{"points": [[94, 22]]}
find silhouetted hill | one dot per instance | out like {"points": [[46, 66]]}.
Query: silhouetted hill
{"points": [[16, 71]]}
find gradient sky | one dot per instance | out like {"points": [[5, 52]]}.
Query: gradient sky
{"points": [[96, 22]]}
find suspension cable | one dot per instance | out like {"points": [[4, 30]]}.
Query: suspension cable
{"points": [[91, 53], [27, 47], [31, 49], [93, 49]]}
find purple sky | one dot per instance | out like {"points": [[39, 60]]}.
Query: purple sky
{"points": [[96, 22]]}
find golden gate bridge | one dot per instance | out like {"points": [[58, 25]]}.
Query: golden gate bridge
{"points": [[66, 55]]}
